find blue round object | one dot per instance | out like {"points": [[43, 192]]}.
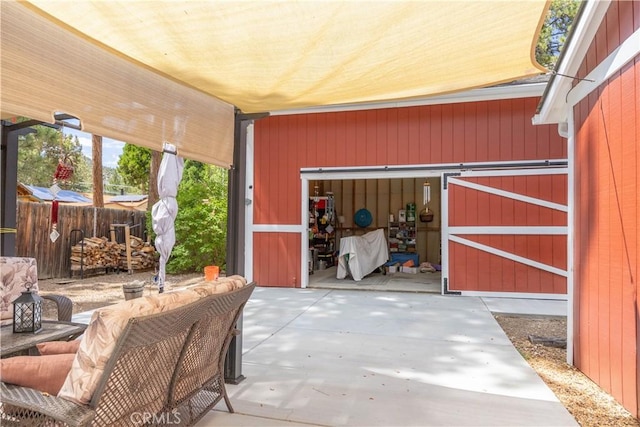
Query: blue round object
{"points": [[363, 218]]}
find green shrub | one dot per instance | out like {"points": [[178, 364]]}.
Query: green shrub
{"points": [[201, 223]]}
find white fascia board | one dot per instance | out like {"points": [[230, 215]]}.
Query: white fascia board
{"points": [[554, 105], [484, 94], [621, 56]]}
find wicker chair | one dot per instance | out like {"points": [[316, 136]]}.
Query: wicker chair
{"points": [[15, 274], [166, 368]]}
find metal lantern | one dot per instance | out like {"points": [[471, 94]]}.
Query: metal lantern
{"points": [[27, 312]]}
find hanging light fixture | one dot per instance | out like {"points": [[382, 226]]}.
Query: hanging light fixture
{"points": [[27, 312]]}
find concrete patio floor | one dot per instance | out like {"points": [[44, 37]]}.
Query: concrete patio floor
{"points": [[334, 357]]}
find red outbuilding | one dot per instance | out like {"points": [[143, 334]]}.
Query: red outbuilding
{"points": [[599, 110], [498, 184]]}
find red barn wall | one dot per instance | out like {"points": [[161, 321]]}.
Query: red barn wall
{"points": [[466, 132], [277, 259], [607, 235]]}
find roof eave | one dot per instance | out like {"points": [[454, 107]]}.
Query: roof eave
{"points": [[473, 95], [553, 107]]}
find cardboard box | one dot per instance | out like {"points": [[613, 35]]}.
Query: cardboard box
{"points": [[393, 268], [410, 270]]}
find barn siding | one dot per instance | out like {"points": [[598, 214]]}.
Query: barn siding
{"points": [[277, 259], [607, 234], [466, 132], [480, 270], [621, 20]]}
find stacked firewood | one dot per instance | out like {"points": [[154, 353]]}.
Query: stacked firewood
{"points": [[142, 254], [95, 252], [99, 252]]}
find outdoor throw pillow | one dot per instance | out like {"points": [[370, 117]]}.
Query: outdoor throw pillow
{"points": [[58, 347], [100, 337], [220, 285], [16, 274], [43, 373]]}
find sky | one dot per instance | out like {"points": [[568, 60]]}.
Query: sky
{"points": [[111, 148]]}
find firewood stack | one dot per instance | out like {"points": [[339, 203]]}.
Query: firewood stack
{"points": [[99, 252], [142, 254]]}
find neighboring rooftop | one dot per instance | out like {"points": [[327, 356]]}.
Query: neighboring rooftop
{"points": [[66, 196], [128, 198]]}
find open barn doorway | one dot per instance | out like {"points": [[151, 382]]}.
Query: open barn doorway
{"points": [[394, 207]]}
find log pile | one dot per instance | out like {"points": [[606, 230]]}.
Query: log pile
{"points": [[95, 252], [142, 254], [99, 252]]}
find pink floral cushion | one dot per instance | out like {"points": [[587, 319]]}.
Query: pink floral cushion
{"points": [[107, 324], [16, 274]]}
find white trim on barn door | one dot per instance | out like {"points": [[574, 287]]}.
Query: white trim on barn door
{"points": [[454, 234]]}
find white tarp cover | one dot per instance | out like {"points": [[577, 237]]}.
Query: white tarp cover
{"points": [[163, 213], [285, 54], [361, 255]]}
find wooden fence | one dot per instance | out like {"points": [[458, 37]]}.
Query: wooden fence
{"points": [[74, 223]]}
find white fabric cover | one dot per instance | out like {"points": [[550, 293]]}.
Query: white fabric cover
{"points": [[163, 213], [365, 254]]}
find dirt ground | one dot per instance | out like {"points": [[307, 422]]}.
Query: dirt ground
{"points": [[587, 402]]}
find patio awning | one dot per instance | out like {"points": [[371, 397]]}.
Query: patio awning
{"points": [[125, 67]]}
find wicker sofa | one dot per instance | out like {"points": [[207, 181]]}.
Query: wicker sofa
{"points": [[153, 360]]}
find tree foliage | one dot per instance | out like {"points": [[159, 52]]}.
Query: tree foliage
{"points": [[201, 224], [554, 32], [40, 152], [133, 166], [114, 183]]}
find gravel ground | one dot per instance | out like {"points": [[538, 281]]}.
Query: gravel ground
{"points": [[586, 401]]}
